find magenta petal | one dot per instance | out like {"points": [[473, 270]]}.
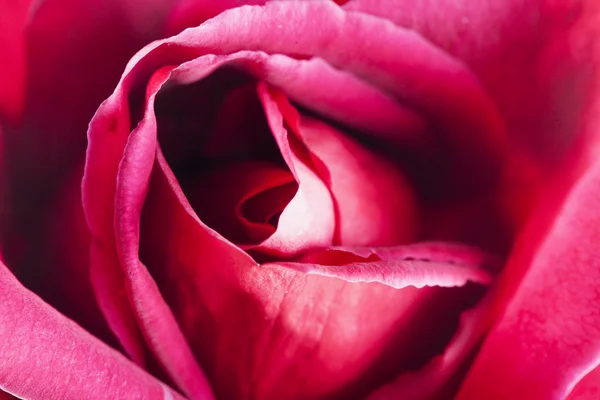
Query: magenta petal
{"points": [[268, 331], [13, 22], [588, 388], [155, 318], [506, 43], [47, 356], [548, 337], [187, 13], [419, 265]]}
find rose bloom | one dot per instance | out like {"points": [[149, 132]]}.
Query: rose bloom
{"points": [[362, 199]]}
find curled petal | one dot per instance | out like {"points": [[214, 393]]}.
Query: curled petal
{"points": [[418, 265]]}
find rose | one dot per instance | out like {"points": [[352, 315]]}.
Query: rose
{"points": [[175, 356]]}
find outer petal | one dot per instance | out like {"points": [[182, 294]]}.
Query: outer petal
{"points": [[76, 52], [519, 49], [187, 13], [549, 335], [13, 21], [45, 355]]}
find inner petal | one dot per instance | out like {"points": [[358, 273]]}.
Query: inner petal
{"points": [[242, 174], [239, 199]]}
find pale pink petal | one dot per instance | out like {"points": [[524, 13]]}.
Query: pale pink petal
{"points": [[418, 265], [308, 220], [45, 355], [375, 205]]}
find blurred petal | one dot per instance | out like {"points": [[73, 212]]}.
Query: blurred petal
{"points": [[13, 68], [45, 355]]}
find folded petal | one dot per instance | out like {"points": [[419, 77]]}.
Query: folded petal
{"points": [[519, 50], [440, 378], [374, 202], [269, 331], [548, 335], [45, 355], [188, 13], [418, 265]]}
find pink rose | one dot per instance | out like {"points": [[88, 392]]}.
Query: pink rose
{"points": [[302, 199]]}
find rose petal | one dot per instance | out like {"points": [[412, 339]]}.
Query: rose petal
{"points": [[473, 126], [439, 378], [45, 355], [308, 220], [548, 336], [220, 197], [13, 20], [419, 265], [374, 203], [154, 317], [269, 331], [519, 49], [588, 388], [188, 13]]}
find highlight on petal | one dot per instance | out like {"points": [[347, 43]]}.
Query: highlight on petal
{"points": [[419, 265], [588, 388], [548, 334], [45, 355]]}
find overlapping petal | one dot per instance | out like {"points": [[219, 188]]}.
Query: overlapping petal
{"points": [[45, 355]]}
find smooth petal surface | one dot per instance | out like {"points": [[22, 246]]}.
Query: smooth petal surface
{"points": [[13, 21], [518, 49], [45, 355], [440, 377], [588, 388], [374, 202], [187, 13], [549, 335]]}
